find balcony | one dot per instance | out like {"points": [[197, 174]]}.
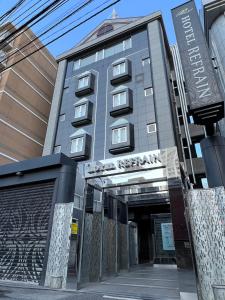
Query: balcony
{"points": [[2, 61], [5, 46]]}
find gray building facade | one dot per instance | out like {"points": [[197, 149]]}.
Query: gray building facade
{"points": [[114, 98]]}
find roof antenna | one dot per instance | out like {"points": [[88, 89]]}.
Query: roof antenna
{"points": [[114, 14]]}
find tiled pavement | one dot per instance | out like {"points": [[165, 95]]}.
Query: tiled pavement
{"points": [[160, 282]]}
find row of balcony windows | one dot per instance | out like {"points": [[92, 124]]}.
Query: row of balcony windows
{"points": [[122, 140]]}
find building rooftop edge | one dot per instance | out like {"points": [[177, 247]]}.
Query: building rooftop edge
{"points": [[140, 22]]}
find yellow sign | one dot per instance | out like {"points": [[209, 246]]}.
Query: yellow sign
{"points": [[74, 228]]}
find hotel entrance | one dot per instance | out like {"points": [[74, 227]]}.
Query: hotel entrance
{"points": [[128, 218]]}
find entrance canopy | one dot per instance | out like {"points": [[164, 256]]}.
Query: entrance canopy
{"points": [[144, 176]]}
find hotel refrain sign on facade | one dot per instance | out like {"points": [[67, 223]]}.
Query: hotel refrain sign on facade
{"points": [[205, 100], [129, 163]]}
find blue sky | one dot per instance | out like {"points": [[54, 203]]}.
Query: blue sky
{"points": [[126, 8]]}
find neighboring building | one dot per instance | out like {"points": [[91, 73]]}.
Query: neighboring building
{"points": [[25, 97], [213, 19], [114, 97]]}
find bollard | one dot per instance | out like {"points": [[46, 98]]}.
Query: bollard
{"points": [[56, 282]]}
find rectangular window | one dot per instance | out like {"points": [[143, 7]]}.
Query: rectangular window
{"points": [[148, 91], [77, 144], [80, 110], [127, 44], [57, 149], [76, 64], [83, 82], [119, 69], [87, 60], [119, 135], [100, 55], [146, 61], [119, 99], [151, 127], [62, 117]]}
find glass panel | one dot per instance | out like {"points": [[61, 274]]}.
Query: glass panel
{"points": [[122, 68], [119, 99], [123, 134], [109, 51], [88, 60], [123, 98], [62, 117], [119, 69], [100, 55], [119, 135], [127, 44], [118, 48], [76, 65], [151, 128], [57, 149], [148, 91], [146, 61], [77, 144], [83, 82], [80, 110]]}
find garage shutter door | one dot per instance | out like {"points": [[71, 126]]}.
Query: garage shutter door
{"points": [[25, 212]]}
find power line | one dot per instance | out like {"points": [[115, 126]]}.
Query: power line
{"points": [[53, 26], [16, 53], [56, 6], [74, 27], [13, 9], [12, 21], [39, 14]]}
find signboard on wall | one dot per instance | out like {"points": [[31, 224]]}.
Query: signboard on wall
{"points": [[167, 236], [206, 103]]}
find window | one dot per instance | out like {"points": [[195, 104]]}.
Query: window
{"points": [[103, 53], [151, 127], [80, 110], [119, 135], [57, 149], [77, 144], [127, 44], [62, 117], [119, 69], [148, 91], [76, 65], [146, 61], [83, 82], [198, 149], [100, 55], [119, 99]]}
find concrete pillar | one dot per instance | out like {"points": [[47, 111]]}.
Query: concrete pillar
{"points": [[213, 152]]}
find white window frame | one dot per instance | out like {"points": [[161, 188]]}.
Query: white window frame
{"points": [[57, 149], [75, 146], [120, 139], [81, 82], [119, 95], [146, 91], [80, 110], [146, 61], [62, 117], [149, 126], [119, 66]]}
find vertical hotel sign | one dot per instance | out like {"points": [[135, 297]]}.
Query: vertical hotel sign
{"points": [[206, 103]]}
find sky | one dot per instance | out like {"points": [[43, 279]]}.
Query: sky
{"points": [[125, 8]]}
